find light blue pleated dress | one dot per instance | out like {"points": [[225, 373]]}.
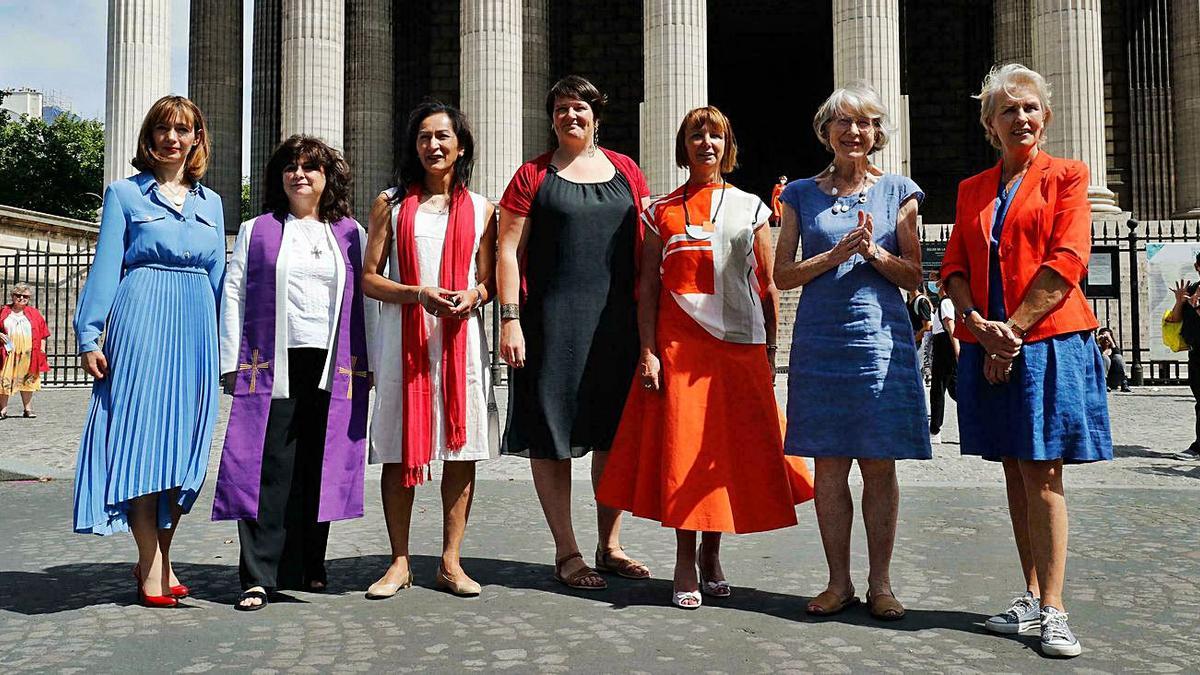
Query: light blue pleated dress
{"points": [[1054, 405], [152, 293], [854, 389]]}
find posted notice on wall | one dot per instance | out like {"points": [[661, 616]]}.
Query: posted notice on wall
{"points": [[1166, 264]]}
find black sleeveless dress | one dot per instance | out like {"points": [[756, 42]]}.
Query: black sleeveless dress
{"points": [[579, 320]]}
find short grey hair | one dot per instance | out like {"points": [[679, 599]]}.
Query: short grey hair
{"points": [[1007, 79], [854, 100]]}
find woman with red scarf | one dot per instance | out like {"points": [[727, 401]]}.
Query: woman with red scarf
{"points": [[22, 350], [430, 258]]}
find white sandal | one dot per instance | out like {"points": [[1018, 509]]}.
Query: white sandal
{"points": [[717, 589], [678, 598]]}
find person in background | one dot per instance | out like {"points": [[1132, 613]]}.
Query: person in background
{"points": [[776, 205], [1114, 361], [1187, 299], [945, 361], [920, 313], [22, 350]]}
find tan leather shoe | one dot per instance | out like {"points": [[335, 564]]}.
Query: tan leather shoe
{"points": [[465, 586], [381, 590]]}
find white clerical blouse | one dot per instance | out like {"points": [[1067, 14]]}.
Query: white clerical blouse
{"points": [[296, 264]]}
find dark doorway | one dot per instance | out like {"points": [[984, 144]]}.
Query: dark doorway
{"points": [[770, 65]]}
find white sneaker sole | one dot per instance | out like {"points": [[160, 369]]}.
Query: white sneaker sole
{"points": [[1062, 650], [1014, 628]]}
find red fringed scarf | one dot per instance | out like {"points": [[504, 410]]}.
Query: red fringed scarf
{"points": [[457, 249]]}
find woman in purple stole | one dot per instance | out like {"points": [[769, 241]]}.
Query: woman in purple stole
{"points": [[293, 353]]}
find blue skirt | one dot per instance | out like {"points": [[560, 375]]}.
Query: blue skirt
{"points": [[150, 422], [1054, 405]]}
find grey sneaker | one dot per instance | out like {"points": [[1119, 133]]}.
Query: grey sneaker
{"points": [[1023, 614], [1057, 638]]}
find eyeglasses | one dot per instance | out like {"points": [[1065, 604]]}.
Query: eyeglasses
{"points": [[844, 123]]}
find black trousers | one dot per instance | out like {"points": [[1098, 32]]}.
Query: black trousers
{"points": [[943, 378], [284, 548], [1194, 383]]}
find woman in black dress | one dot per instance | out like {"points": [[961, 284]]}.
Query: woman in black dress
{"points": [[568, 238]]}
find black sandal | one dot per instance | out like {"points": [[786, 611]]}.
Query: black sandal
{"points": [[28, 414], [251, 595]]}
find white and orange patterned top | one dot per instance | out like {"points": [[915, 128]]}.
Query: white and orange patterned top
{"points": [[708, 260]]}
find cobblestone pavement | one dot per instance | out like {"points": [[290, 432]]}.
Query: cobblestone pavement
{"points": [[67, 601], [1150, 426]]}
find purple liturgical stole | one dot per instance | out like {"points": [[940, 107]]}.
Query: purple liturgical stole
{"points": [[345, 438]]}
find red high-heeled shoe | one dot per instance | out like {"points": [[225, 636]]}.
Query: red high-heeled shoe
{"points": [[179, 590], [153, 601]]}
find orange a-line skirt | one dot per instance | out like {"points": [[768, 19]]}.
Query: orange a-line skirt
{"points": [[704, 453]]}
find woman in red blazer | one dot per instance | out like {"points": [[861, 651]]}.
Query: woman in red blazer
{"points": [[1031, 388], [22, 350]]}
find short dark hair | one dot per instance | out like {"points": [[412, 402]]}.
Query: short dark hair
{"points": [[335, 200], [580, 89], [411, 170]]}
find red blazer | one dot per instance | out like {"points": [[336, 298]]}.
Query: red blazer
{"points": [[39, 363], [1049, 224]]}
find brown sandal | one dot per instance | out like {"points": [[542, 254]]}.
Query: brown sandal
{"points": [[827, 603], [885, 607], [576, 578], [624, 567]]}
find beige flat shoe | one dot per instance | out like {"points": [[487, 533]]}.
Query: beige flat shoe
{"points": [[382, 591], [466, 587]]}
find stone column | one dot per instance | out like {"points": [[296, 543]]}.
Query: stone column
{"points": [[1012, 34], [1067, 51], [675, 78], [138, 73], [1185, 84], [1152, 151], [535, 81], [866, 48], [369, 86], [264, 94], [215, 85], [490, 79], [313, 69]]}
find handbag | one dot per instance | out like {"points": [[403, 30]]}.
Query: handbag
{"points": [[1172, 334]]}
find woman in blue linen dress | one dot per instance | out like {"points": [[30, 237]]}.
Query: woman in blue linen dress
{"points": [[152, 293], [854, 390]]}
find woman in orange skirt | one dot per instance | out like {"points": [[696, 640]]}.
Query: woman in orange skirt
{"points": [[700, 447]]}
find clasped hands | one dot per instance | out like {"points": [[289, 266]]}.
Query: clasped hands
{"points": [[860, 240], [1002, 345], [452, 304]]}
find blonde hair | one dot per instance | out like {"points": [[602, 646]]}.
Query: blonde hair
{"points": [[21, 287], [854, 100], [169, 110], [707, 117], [1007, 79]]}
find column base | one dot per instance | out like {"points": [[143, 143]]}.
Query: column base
{"points": [[1102, 200], [1187, 214]]}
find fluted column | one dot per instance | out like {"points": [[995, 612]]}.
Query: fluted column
{"points": [[215, 85], [369, 86], [1012, 34], [1185, 84], [1152, 151], [675, 78], [313, 69], [535, 62], [490, 79], [138, 73], [1067, 51], [866, 48], [264, 93]]}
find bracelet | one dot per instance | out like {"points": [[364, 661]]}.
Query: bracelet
{"points": [[510, 311]]}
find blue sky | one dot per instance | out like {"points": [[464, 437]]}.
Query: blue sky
{"points": [[59, 47]]}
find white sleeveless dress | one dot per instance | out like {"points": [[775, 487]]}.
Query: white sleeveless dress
{"points": [[387, 424]]}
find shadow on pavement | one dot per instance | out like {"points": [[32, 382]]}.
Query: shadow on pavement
{"points": [[1140, 451], [1190, 470]]}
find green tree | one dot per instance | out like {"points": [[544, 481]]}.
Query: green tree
{"points": [[245, 211], [53, 168]]}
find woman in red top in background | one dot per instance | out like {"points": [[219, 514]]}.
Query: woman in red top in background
{"points": [[1030, 377], [22, 350]]}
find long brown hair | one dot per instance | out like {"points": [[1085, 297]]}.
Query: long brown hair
{"points": [[169, 110], [299, 149]]}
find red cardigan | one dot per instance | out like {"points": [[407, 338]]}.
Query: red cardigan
{"points": [[37, 322], [1049, 224]]}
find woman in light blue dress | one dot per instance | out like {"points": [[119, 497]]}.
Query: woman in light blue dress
{"points": [[854, 389], [152, 294]]}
